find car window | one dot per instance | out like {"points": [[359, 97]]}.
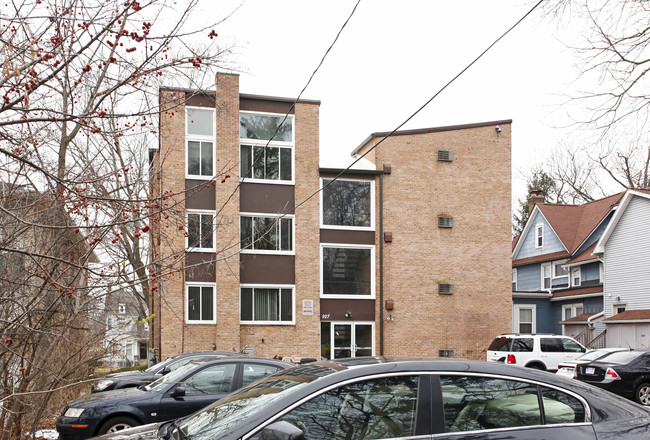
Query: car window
{"points": [[473, 403], [500, 344], [551, 345], [216, 379], [523, 345], [372, 409], [621, 357], [572, 346], [253, 372]]}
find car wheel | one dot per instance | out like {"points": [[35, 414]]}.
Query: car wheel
{"points": [[117, 424], [642, 394]]}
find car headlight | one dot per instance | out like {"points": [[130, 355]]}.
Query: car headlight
{"points": [[74, 412], [103, 384]]}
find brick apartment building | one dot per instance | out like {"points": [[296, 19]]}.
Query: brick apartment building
{"points": [[407, 253]]}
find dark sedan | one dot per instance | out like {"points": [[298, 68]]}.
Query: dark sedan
{"points": [[626, 373], [177, 394], [378, 398], [126, 379]]}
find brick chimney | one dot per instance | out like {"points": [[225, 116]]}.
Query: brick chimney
{"points": [[535, 196]]}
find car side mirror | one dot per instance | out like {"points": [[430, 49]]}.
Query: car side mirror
{"points": [[178, 392], [164, 371], [282, 431]]}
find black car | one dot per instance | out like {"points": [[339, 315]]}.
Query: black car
{"points": [[378, 398], [626, 373], [126, 379], [179, 393]]}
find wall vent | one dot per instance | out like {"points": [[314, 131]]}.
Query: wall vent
{"points": [[445, 221], [445, 289], [446, 353], [445, 156]]}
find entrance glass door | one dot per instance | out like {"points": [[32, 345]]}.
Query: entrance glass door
{"points": [[347, 339]]}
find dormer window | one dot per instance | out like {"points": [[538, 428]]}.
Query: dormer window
{"points": [[539, 235]]}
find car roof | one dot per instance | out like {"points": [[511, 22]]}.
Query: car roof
{"points": [[218, 359]]}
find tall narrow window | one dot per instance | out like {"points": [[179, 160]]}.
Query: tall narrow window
{"points": [[546, 276], [514, 279], [200, 143], [200, 231], [201, 304], [266, 147], [576, 276], [266, 234], [539, 235]]}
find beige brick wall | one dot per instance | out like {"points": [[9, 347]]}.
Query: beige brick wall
{"points": [[474, 255]]}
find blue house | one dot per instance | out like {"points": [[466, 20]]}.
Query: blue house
{"points": [[557, 280]]}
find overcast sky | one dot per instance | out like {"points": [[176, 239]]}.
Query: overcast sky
{"points": [[393, 56]]}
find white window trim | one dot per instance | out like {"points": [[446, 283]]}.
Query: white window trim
{"points": [[196, 137], [214, 237], [515, 316], [278, 217], [539, 232], [579, 269], [349, 228], [550, 266], [601, 273], [559, 263], [514, 277], [573, 308], [618, 304], [270, 286], [372, 270], [273, 143], [187, 299]]}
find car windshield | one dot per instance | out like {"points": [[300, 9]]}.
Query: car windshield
{"points": [[214, 420], [593, 355], [621, 357], [175, 376], [155, 367]]}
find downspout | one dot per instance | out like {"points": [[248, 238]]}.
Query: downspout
{"points": [[594, 317], [381, 264]]}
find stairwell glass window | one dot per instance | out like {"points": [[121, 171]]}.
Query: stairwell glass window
{"points": [[200, 138], [347, 271], [266, 234], [267, 304], [200, 303], [347, 204], [266, 147], [200, 231]]}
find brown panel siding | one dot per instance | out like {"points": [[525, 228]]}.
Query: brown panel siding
{"points": [[335, 309], [260, 197], [200, 100], [267, 269], [199, 266], [347, 237], [200, 194], [258, 105]]}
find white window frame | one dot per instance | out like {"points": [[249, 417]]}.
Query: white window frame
{"points": [[617, 305], [578, 270], [270, 286], [342, 227], [574, 310], [277, 217], [372, 270], [121, 308], [514, 278], [539, 235], [273, 143], [201, 138], [556, 264], [601, 273], [550, 278], [187, 300], [515, 316], [214, 237]]}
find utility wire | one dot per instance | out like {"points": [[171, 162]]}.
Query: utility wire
{"points": [[423, 106]]}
